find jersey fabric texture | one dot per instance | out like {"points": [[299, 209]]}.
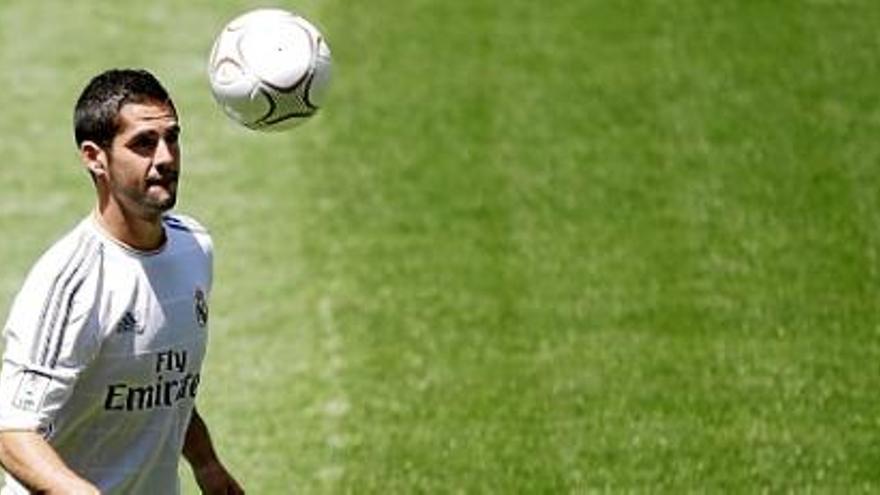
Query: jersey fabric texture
{"points": [[103, 354]]}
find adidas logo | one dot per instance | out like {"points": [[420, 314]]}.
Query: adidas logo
{"points": [[128, 324]]}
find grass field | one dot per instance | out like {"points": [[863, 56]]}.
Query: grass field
{"points": [[526, 248]]}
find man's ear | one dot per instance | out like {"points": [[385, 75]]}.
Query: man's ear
{"points": [[94, 158]]}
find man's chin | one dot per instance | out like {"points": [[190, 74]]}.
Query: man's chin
{"points": [[168, 204], [159, 206]]}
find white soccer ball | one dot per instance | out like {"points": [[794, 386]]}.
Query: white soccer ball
{"points": [[270, 69]]}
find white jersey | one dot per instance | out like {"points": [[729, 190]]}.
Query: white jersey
{"points": [[104, 348]]}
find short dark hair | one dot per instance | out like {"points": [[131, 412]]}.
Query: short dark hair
{"points": [[96, 115]]}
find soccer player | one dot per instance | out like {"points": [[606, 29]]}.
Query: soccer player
{"points": [[105, 340]]}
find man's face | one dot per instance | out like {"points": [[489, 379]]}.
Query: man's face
{"points": [[144, 159]]}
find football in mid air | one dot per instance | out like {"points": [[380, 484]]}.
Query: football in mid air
{"points": [[270, 69]]}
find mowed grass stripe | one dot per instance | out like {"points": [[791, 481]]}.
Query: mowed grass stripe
{"points": [[433, 251], [669, 200]]}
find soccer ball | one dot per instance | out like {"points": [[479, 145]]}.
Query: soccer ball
{"points": [[270, 69]]}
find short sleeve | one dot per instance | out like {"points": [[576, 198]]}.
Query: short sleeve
{"points": [[51, 336]]}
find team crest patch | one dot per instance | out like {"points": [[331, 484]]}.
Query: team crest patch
{"points": [[201, 306]]}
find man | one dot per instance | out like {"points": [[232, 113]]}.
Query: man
{"points": [[105, 340]]}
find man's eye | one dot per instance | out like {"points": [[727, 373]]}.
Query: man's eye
{"points": [[144, 142]]}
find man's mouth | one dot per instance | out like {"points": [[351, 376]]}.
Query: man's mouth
{"points": [[165, 182]]}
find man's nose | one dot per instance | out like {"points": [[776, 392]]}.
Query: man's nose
{"points": [[165, 154]]}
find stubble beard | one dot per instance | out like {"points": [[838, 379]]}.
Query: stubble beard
{"points": [[144, 205]]}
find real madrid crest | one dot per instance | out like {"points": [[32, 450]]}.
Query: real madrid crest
{"points": [[201, 307]]}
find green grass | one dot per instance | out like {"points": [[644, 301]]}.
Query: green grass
{"points": [[540, 248]]}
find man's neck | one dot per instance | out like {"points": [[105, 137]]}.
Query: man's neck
{"points": [[135, 232]]}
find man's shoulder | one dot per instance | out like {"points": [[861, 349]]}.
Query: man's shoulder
{"points": [[67, 263], [75, 247], [184, 223], [185, 227]]}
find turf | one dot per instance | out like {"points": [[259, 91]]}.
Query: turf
{"points": [[526, 247]]}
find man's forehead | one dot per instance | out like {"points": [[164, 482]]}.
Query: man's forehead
{"points": [[149, 114]]}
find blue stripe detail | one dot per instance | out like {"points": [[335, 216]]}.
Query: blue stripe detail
{"points": [[182, 228]]}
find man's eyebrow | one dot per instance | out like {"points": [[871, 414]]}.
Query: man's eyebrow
{"points": [[172, 129], [142, 134]]}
